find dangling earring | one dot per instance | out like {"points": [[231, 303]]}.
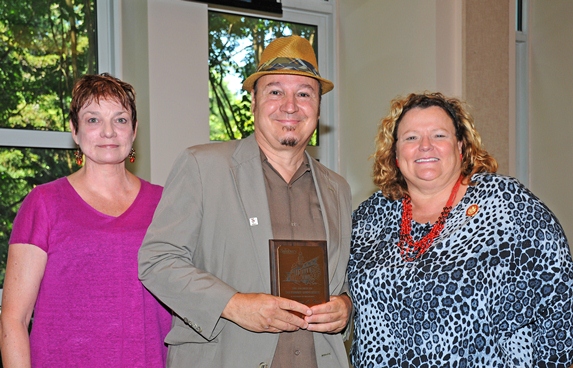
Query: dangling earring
{"points": [[79, 155], [131, 155]]}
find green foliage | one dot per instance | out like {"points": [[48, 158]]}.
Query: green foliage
{"points": [[45, 45], [235, 46]]}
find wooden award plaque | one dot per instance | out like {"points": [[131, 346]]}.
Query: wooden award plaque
{"points": [[299, 270]]}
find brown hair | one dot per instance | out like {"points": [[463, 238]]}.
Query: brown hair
{"points": [[94, 87], [388, 178]]}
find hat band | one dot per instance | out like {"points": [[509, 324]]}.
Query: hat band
{"points": [[282, 63]]}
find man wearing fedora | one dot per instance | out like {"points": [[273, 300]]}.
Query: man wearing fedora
{"points": [[206, 253]]}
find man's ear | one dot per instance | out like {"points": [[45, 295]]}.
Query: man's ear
{"points": [[253, 101]]}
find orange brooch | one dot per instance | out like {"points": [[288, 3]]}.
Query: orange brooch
{"points": [[472, 210]]}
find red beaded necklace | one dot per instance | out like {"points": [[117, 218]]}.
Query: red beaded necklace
{"points": [[406, 244]]}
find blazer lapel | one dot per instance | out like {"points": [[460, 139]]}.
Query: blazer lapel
{"points": [[327, 191], [249, 182]]}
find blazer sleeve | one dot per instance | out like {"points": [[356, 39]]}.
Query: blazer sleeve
{"points": [[165, 258]]}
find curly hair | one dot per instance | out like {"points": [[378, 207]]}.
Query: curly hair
{"points": [[96, 87], [389, 179]]}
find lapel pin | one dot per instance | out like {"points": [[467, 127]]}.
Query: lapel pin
{"points": [[472, 210]]}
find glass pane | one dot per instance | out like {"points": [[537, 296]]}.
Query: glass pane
{"points": [[21, 169], [235, 45], [45, 45], [519, 15]]}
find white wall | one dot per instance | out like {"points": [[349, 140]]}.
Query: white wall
{"points": [[172, 24], [551, 107], [166, 62], [386, 49]]}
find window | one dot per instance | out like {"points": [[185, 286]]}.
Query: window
{"points": [[519, 13], [45, 46], [235, 45]]}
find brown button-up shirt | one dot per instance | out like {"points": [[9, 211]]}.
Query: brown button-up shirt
{"points": [[295, 214]]}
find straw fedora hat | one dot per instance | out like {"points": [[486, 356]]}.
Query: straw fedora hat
{"points": [[288, 55]]}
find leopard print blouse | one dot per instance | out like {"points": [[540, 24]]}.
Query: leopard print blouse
{"points": [[494, 290]]}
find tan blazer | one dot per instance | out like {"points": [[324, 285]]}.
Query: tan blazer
{"points": [[209, 239]]}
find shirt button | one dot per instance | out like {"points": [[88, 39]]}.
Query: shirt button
{"points": [[297, 352]]}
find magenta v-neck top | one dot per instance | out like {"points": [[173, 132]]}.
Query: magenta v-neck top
{"points": [[91, 311]]}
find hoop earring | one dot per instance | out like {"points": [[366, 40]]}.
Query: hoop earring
{"points": [[79, 155], [131, 155]]}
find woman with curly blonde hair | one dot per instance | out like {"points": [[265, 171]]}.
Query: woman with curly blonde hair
{"points": [[452, 264], [389, 179]]}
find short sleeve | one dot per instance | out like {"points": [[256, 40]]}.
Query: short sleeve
{"points": [[31, 225]]}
